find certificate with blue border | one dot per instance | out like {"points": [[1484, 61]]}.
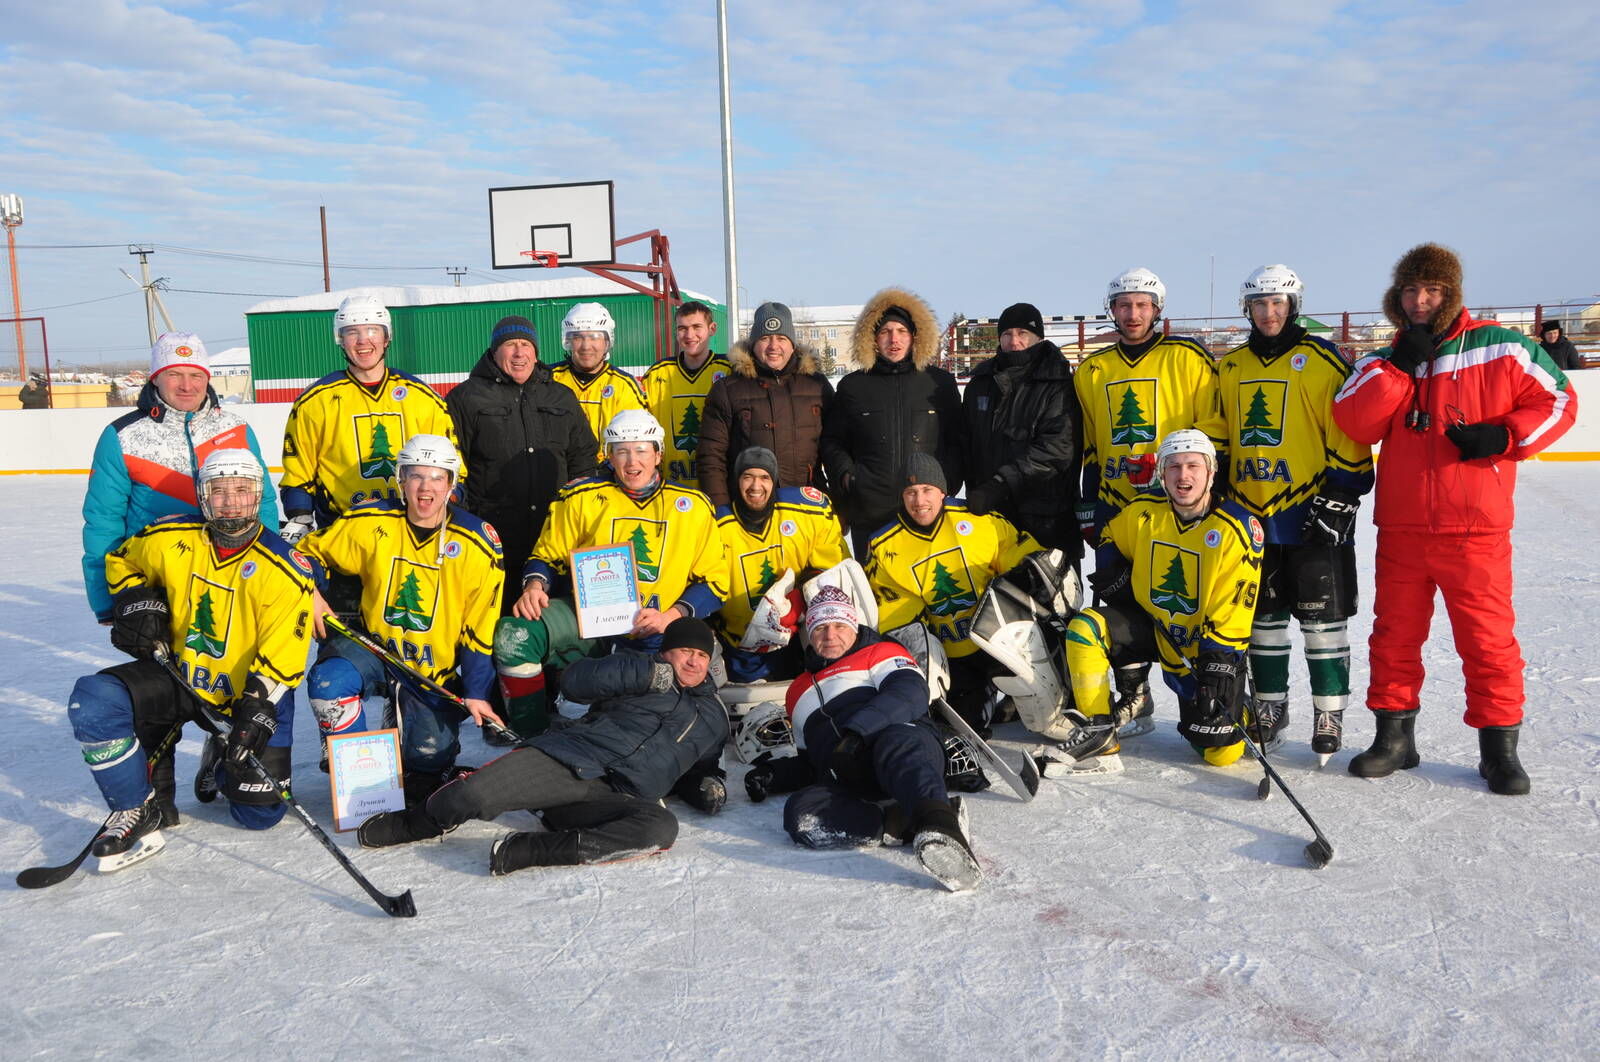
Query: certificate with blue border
{"points": [[605, 590]]}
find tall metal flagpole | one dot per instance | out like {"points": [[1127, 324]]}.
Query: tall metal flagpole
{"points": [[730, 254]]}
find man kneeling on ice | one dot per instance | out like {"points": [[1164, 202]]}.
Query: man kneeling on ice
{"points": [[860, 719], [231, 601], [598, 783], [1194, 568]]}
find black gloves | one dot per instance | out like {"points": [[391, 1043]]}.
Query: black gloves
{"points": [[1113, 584], [1330, 519], [1220, 676], [254, 722], [985, 498], [1473, 440], [757, 782], [140, 621], [1085, 513], [849, 763], [777, 774], [1411, 348]]}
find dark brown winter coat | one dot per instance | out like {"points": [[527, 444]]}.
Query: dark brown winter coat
{"points": [[753, 406]]}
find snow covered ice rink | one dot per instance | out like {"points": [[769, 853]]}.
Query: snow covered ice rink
{"points": [[1160, 913]]}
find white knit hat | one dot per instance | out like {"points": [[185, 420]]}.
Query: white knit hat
{"points": [[831, 605], [179, 348]]}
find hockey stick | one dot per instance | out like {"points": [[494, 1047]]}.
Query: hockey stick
{"points": [[402, 906], [381, 651], [44, 877], [1320, 851], [1025, 785]]}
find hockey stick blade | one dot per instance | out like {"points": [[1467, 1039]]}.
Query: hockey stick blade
{"points": [[1024, 785], [1319, 853]]}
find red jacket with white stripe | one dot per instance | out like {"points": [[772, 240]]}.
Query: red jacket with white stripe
{"points": [[1479, 372], [876, 684]]}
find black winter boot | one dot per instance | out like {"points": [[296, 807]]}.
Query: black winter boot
{"points": [[1394, 747], [518, 851], [1497, 747], [164, 778], [389, 828]]}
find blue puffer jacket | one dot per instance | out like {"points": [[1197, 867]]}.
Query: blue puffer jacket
{"points": [[643, 730], [144, 468]]}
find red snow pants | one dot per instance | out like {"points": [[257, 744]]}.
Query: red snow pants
{"points": [[1474, 573]]}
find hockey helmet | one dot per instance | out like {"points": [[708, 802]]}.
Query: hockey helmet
{"points": [[1137, 281], [227, 464], [361, 310], [588, 317], [961, 770], [634, 425], [1272, 280], [766, 731], [429, 451], [1185, 441]]}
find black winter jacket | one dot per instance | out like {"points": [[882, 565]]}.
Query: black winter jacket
{"points": [[1024, 431], [1564, 354], [643, 730], [879, 418], [521, 443]]}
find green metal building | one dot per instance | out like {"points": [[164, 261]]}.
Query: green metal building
{"points": [[441, 332]]}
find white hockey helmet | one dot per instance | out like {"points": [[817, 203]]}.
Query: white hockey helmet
{"points": [[361, 310], [634, 425], [429, 451], [1185, 441], [1272, 280], [765, 729], [1137, 281], [229, 463], [588, 317]]}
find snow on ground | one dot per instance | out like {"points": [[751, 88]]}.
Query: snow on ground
{"points": [[1162, 913]]}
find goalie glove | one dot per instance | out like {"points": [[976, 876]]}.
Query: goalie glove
{"points": [[1141, 469], [777, 617]]}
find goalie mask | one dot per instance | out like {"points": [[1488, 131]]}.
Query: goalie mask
{"points": [[229, 492], [961, 771], [764, 733]]}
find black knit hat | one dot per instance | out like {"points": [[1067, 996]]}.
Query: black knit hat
{"points": [[686, 632], [1021, 315], [1551, 325], [772, 319], [513, 327], [924, 469], [756, 457], [895, 313]]}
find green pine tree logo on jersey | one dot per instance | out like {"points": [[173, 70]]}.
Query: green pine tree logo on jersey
{"points": [[1261, 413], [376, 435], [759, 573], [648, 539], [1132, 404], [412, 595], [686, 436], [210, 613], [946, 583], [1174, 589]]}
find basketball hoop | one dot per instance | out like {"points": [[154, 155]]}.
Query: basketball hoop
{"points": [[548, 259]]}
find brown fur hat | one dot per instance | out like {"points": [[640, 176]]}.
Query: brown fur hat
{"points": [[1426, 263], [925, 328]]}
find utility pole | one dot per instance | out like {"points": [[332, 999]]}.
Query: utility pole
{"points": [[731, 260], [327, 283], [11, 217], [152, 292], [457, 272]]}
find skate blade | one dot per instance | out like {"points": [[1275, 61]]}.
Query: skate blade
{"points": [[1144, 724], [1060, 765], [950, 863], [1322, 759], [142, 849]]}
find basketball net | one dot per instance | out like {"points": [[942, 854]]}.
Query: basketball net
{"points": [[547, 259]]}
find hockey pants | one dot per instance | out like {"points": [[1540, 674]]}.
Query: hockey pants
{"points": [[589, 821], [118, 713], [907, 760], [1474, 573]]}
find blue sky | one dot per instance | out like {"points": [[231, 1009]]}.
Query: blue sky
{"points": [[977, 153]]}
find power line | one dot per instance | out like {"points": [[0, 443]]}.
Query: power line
{"points": [[85, 302], [244, 294], [200, 252]]}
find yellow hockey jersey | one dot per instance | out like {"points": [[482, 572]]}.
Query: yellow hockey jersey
{"points": [[677, 553], [342, 438], [801, 532], [1130, 405], [248, 613], [1281, 442], [603, 397], [939, 574], [425, 599], [677, 398], [1197, 580]]}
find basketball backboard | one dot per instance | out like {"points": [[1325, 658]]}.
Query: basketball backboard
{"points": [[574, 221]]}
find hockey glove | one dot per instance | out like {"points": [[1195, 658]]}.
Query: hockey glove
{"points": [[1141, 469], [849, 764], [757, 781], [1331, 518], [1220, 677], [140, 621], [295, 527], [1411, 348], [254, 722], [1085, 512], [985, 498], [1113, 584], [1479, 440]]}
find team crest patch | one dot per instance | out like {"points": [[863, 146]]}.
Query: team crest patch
{"points": [[1133, 412], [607, 391], [300, 560], [648, 539], [686, 421], [1213, 538], [683, 505], [1260, 404], [210, 616], [376, 443], [1173, 588], [492, 535], [1298, 362], [412, 595], [788, 527], [945, 583], [399, 392], [812, 494], [453, 549], [1256, 534], [760, 572], [717, 375], [963, 527], [247, 569]]}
